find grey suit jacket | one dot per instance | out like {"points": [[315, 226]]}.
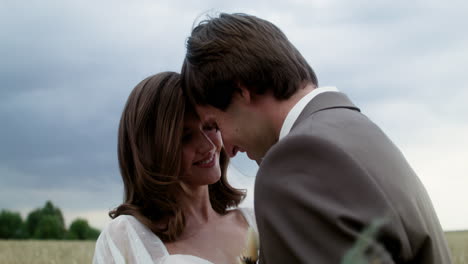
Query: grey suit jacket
{"points": [[335, 173]]}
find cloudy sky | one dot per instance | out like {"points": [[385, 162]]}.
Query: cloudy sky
{"points": [[67, 67]]}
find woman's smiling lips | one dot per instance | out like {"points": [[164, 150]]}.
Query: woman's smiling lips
{"points": [[207, 162]]}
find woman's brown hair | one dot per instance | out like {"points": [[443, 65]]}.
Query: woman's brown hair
{"points": [[150, 153]]}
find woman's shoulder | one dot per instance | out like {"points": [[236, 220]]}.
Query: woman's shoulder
{"points": [[247, 211], [126, 237], [249, 215], [120, 224], [122, 220], [129, 225]]}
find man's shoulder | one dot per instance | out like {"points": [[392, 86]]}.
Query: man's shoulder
{"points": [[301, 138], [296, 151]]}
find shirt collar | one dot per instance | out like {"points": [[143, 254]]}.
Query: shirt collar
{"points": [[300, 105]]}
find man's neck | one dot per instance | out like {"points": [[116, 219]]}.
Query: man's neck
{"points": [[272, 113], [285, 106]]}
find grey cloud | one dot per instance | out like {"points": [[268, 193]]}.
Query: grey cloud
{"points": [[68, 67], [65, 74]]}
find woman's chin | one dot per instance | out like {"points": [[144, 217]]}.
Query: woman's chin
{"points": [[203, 181], [214, 180]]}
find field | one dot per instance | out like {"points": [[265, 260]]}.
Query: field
{"points": [[458, 243], [46, 252], [74, 252]]}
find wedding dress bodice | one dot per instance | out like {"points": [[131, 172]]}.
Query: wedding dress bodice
{"points": [[126, 240]]}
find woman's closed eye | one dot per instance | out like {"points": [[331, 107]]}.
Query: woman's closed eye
{"points": [[211, 126]]}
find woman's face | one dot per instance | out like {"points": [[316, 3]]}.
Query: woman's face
{"points": [[201, 147]]}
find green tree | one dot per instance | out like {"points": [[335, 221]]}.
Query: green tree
{"points": [[46, 223], [11, 225], [49, 227], [49, 209], [32, 221], [93, 233], [80, 229]]}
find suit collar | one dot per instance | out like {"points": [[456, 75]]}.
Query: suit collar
{"points": [[297, 109], [325, 101]]}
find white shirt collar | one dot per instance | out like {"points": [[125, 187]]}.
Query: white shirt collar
{"points": [[300, 105]]}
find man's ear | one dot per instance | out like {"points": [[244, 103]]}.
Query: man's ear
{"points": [[244, 93]]}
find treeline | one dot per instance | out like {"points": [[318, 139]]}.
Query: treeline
{"points": [[44, 223]]}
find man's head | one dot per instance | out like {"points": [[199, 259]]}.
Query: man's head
{"points": [[234, 54]]}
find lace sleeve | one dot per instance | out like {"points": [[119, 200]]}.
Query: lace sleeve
{"points": [[125, 240]]}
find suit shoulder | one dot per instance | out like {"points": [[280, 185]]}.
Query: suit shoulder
{"points": [[297, 145]]}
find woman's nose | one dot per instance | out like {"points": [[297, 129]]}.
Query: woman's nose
{"points": [[205, 144]]}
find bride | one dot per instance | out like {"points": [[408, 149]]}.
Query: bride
{"points": [[177, 204]]}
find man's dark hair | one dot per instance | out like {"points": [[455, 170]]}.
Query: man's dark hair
{"points": [[238, 49]]}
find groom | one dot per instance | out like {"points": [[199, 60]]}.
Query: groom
{"points": [[326, 171]]}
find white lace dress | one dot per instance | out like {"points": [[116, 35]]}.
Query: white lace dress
{"points": [[126, 240]]}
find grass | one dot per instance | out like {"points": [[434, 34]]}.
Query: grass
{"points": [[458, 243], [46, 252], [77, 252]]}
